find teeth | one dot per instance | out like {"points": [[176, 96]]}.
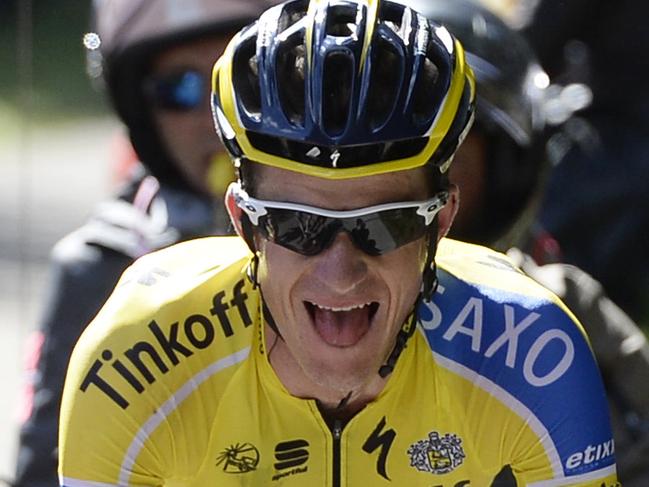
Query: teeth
{"points": [[346, 308]]}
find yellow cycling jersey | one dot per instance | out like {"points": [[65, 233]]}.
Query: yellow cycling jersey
{"points": [[171, 386]]}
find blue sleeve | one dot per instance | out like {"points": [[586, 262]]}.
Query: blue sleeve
{"points": [[539, 360]]}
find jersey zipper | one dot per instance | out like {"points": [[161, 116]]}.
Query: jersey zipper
{"points": [[337, 432]]}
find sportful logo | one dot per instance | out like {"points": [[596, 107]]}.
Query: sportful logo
{"points": [[239, 458], [290, 455], [437, 454]]}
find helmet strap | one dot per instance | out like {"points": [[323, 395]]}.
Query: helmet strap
{"points": [[252, 272], [428, 288], [247, 234], [406, 331], [269, 317]]}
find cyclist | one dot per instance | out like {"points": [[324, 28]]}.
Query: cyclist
{"points": [[156, 59], [340, 340], [503, 162]]}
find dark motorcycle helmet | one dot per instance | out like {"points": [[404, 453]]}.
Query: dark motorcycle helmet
{"points": [[511, 87], [127, 36]]}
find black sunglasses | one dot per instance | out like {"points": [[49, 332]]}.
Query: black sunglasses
{"points": [[179, 91], [309, 230]]}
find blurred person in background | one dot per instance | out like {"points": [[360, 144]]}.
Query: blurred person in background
{"points": [[595, 204], [155, 59], [501, 170]]}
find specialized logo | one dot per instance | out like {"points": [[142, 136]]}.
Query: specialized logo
{"points": [[382, 440], [315, 153], [335, 155], [437, 454], [239, 458], [290, 458]]}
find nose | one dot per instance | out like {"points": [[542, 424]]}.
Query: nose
{"points": [[342, 266]]}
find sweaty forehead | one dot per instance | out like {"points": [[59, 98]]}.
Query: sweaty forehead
{"points": [[281, 185]]}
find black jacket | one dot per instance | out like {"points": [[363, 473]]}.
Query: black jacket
{"points": [[85, 266]]}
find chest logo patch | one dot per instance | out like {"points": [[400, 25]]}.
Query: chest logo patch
{"points": [[437, 454], [291, 457], [239, 458]]}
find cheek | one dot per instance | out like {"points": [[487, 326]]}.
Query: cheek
{"points": [[404, 269], [278, 269]]}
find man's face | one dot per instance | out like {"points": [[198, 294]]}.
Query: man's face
{"points": [[339, 312], [189, 133]]}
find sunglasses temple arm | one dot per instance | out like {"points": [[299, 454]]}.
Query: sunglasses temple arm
{"points": [[430, 210]]}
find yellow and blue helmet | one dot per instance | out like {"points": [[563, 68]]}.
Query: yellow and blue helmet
{"points": [[342, 89]]}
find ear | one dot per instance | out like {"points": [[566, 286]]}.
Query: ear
{"points": [[233, 210], [447, 214], [239, 220]]}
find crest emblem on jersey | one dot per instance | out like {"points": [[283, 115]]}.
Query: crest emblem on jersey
{"points": [[239, 458], [437, 454]]}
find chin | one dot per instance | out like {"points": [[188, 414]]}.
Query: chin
{"points": [[343, 368], [343, 371]]}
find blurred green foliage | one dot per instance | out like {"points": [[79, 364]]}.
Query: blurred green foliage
{"points": [[42, 59]]}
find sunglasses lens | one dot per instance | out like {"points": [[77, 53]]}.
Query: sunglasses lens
{"points": [[179, 91], [310, 234], [304, 233], [310, 230], [387, 230]]}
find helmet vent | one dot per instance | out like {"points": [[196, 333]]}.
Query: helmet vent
{"points": [[385, 80], [291, 14], [341, 21], [246, 76], [392, 15], [290, 70], [423, 107], [337, 89], [400, 149]]}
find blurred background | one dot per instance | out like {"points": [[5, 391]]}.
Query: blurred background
{"points": [[57, 135], [55, 138]]}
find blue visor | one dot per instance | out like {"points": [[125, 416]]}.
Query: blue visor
{"points": [[183, 90]]}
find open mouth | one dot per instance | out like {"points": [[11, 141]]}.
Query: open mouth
{"points": [[342, 326]]}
